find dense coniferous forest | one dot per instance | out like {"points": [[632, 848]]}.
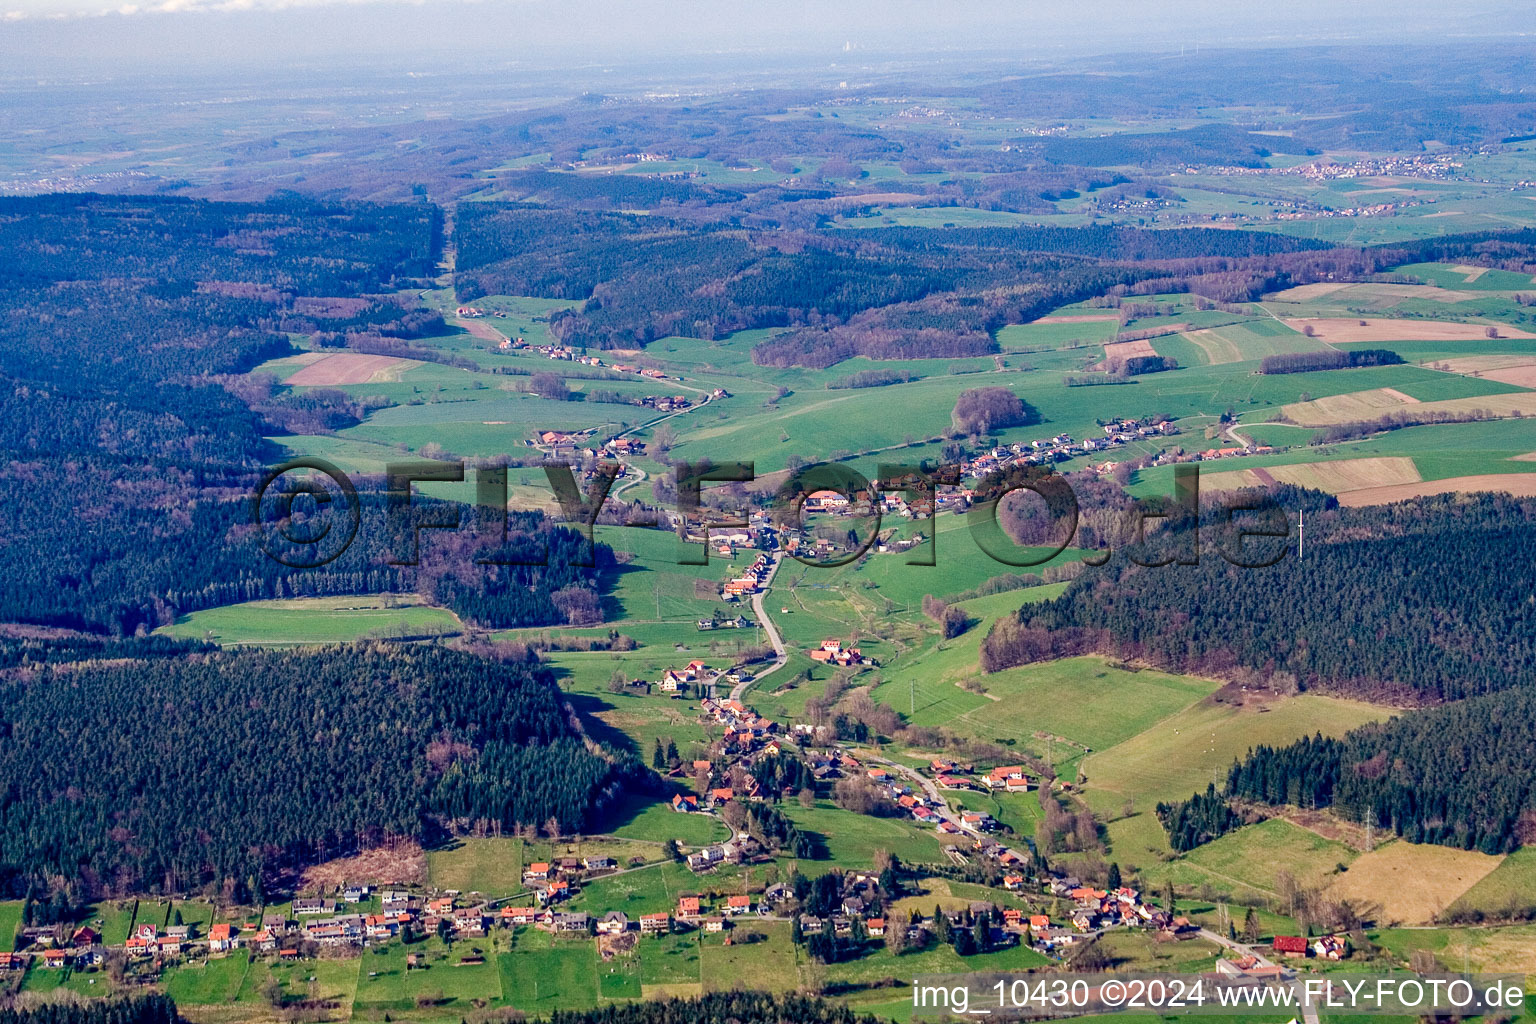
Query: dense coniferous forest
{"points": [[719, 1008], [145, 300], [245, 763], [1329, 359], [1201, 818], [131, 446], [46, 646], [1423, 602], [141, 1009], [166, 539], [887, 294]]}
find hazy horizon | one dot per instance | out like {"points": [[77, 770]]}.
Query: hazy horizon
{"points": [[103, 38]]}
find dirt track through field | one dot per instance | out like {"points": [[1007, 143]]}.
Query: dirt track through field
{"points": [[481, 330], [1376, 329], [1217, 349], [1359, 406], [1336, 476], [350, 368], [1521, 485], [1118, 352]]}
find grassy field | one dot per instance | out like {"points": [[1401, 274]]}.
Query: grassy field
{"points": [[543, 973], [1333, 476], [1372, 404], [669, 960], [852, 839], [494, 867], [941, 959], [768, 963], [329, 981], [1509, 887], [443, 983], [1085, 700], [1247, 862], [1474, 949], [10, 923], [657, 822], [482, 865], [1184, 752], [211, 982], [313, 620]]}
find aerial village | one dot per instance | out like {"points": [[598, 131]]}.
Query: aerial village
{"points": [[1058, 911]]}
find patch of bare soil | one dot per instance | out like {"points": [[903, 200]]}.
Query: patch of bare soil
{"points": [[402, 863]]}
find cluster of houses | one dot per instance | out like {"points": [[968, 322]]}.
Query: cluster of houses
{"points": [[833, 652], [1224, 453], [557, 352], [746, 732], [750, 580], [554, 881], [1325, 947], [1043, 451], [624, 446], [643, 371], [1011, 778], [677, 680], [732, 622], [1096, 909]]}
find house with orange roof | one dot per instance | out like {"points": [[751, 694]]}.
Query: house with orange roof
{"points": [[1014, 882], [221, 938], [537, 871], [738, 905], [688, 906], [652, 924]]}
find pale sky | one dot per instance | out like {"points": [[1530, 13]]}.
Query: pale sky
{"points": [[37, 31]]}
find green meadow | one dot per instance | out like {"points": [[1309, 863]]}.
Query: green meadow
{"points": [[313, 620]]}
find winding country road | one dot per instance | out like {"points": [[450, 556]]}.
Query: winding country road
{"points": [[780, 655]]}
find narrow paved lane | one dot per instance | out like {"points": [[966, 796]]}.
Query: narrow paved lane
{"points": [[780, 655]]}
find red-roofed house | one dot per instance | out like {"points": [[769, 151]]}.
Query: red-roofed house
{"points": [[221, 938], [1290, 945]]}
